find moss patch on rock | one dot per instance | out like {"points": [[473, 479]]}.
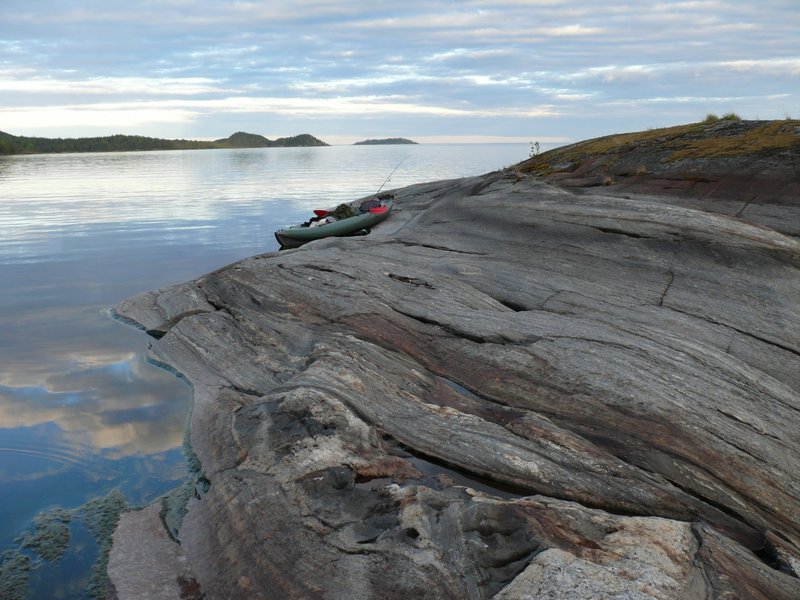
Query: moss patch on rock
{"points": [[741, 141], [720, 139]]}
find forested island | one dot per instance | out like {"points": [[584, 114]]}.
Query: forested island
{"points": [[12, 144], [396, 140]]}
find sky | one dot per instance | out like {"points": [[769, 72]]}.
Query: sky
{"points": [[552, 71]]}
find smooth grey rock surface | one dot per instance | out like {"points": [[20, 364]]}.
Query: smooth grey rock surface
{"points": [[508, 389], [162, 574]]}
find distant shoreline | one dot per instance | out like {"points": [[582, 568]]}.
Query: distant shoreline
{"points": [[17, 144], [12, 144]]}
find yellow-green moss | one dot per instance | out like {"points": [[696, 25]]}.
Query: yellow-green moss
{"points": [[691, 141], [543, 164], [625, 141], [772, 135]]}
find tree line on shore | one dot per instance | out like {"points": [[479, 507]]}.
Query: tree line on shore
{"points": [[12, 144]]}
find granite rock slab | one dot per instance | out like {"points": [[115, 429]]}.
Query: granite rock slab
{"points": [[509, 389]]}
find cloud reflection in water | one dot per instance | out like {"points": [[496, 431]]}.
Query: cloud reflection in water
{"points": [[118, 408]]}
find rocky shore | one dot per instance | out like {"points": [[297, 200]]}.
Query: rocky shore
{"points": [[575, 378]]}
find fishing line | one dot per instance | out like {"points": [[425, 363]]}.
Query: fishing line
{"points": [[390, 176]]}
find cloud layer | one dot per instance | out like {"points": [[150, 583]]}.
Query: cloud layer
{"points": [[203, 68]]}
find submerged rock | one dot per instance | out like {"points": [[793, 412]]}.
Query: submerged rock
{"points": [[509, 389]]}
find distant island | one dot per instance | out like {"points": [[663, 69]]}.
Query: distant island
{"points": [[253, 140], [384, 141], [12, 144]]}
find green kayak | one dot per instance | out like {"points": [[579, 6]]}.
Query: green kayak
{"points": [[336, 223]]}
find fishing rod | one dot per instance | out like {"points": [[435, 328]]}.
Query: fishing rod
{"points": [[389, 177]]}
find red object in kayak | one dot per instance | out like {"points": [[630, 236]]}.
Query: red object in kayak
{"points": [[378, 210], [321, 212]]}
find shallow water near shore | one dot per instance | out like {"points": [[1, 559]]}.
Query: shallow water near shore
{"points": [[81, 411]]}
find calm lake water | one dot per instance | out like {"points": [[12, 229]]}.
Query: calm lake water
{"points": [[81, 412]]}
